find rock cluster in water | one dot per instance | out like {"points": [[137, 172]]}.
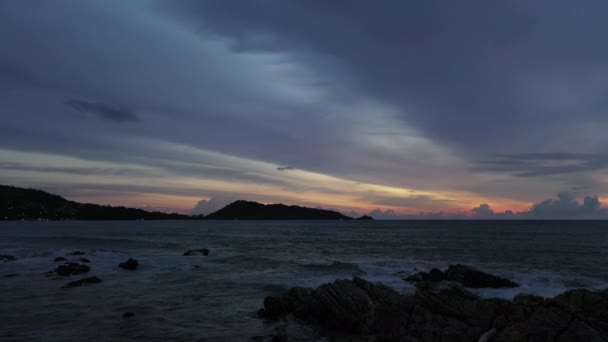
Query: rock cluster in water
{"points": [[73, 268], [465, 276], [359, 310], [76, 268], [68, 269]]}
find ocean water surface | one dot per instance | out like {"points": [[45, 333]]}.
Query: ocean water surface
{"points": [[215, 297]]}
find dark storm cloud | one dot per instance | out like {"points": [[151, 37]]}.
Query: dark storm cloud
{"points": [[103, 111], [478, 76], [543, 164], [404, 94]]}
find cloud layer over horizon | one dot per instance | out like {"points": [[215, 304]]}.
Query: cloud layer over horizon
{"points": [[408, 107]]}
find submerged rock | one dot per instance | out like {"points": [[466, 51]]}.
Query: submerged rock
{"points": [[80, 282], [76, 253], [465, 275], [7, 257], [69, 268], [11, 275], [130, 264], [128, 314], [201, 251], [441, 312], [60, 259], [83, 260]]}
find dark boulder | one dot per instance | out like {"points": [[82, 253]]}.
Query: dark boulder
{"points": [[130, 264], [472, 278], [83, 260], [7, 258], [69, 268], [60, 259], [76, 253], [342, 305], [201, 251], [128, 315], [465, 275], [83, 281], [436, 275]]}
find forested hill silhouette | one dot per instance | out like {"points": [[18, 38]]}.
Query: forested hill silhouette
{"points": [[246, 210], [31, 204]]}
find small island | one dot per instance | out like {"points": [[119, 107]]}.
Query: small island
{"points": [[246, 210]]}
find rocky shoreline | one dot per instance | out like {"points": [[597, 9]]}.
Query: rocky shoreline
{"points": [[441, 309]]}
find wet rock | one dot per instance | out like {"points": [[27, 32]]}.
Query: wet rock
{"points": [[201, 251], [436, 275], [465, 275], [196, 267], [130, 264], [527, 299], [342, 305], [128, 314], [60, 259], [69, 268], [83, 281], [7, 258], [83, 260], [472, 278], [76, 253]]}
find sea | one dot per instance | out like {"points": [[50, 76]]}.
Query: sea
{"points": [[215, 297]]}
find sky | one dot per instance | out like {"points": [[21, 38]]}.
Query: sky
{"points": [[401, 109]]}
